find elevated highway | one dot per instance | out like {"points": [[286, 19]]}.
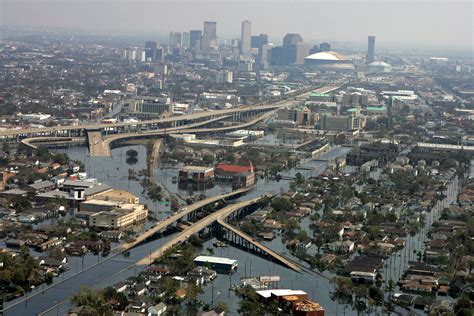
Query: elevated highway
{"points": [[219, 217], [102, 146], [33, 142], [174, 121], [255, 244], [164, 224]]}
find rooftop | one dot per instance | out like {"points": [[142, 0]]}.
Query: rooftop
{"points": [[41, 185], [328, 56], [116, 193], [215, 260], [196, 168], [233, 168], [280, 292]]}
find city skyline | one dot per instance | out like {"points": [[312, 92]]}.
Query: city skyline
{"points": [[348, 21]]}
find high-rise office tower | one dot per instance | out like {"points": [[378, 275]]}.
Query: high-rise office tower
{"points": [[291, 39], [295, 49], [175, 39], [370, 50], [209, 36], [246, 38], [160, 55], [258, 40], [210, 29], [195, 38], [186, 40], [325, 47], [255, 41], [150, 50]]}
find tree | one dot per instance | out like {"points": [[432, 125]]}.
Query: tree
{"points": [[208, 159], [390, 288], [343, 285], [464, 306], [281, 204], [192, 293], [93, 300], [250, 308], [19, 203], [319, 242], [299, 179], [222, 306], [132, 153]]}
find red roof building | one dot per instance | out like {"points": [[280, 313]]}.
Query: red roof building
{"points": [[227, 168]]}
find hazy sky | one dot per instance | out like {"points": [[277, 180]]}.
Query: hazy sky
{"points": [[417, 22]]}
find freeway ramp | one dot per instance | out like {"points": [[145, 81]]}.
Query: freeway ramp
{"points": [[97, 146]]}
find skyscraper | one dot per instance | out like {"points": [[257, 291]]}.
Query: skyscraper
{"points": [[291, 39], [370, 50], [186, 40], [246, 38], [295, 49], [150, 49], [258, 40], [175, 39], [209, 36], [195, 38], [325, 47]]}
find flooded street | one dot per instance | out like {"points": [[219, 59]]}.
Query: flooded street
{"points": [[115, 170]]}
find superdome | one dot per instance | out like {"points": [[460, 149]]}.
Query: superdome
{"points": [[329, 61], [328, 56]]}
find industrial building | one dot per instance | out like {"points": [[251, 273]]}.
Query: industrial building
{"points": [[240, 176], [116, 195], [196, 174], [149, 107], [119, 217], [334, 122], [216, 263], [300, 115]]}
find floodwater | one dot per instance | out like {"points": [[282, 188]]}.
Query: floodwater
{"points": [[115, 170]]}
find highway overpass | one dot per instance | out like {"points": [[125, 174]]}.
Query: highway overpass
{"points": [[219, 217]]}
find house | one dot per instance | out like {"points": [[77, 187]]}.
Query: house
{"points": [[53, 242], [259, 216], [417, 287], [53, 263], [120, 287], [404, 299], [344, 246], [363, 268], [157, 310], [328, 258], [14, 243], [158, 270], [214, 312], [422, 302], [75, 250], [202, 272], [42, 186], [14, 193], [140, 289], [136, 308], [156, 289], [272, 224]]}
